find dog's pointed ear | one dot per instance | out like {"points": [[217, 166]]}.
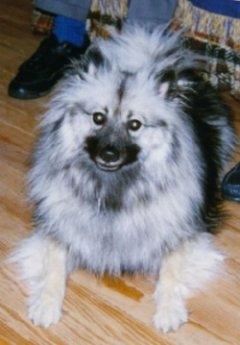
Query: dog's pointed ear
{"points": [[165, 82], [189, 78], [172, 82], [93, 60]]}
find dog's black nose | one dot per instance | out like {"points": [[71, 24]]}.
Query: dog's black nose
{"points": [[109, 154]]}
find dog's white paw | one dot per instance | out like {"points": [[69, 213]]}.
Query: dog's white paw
{"points": [[44, 310], [170, 317], [42, 264]]}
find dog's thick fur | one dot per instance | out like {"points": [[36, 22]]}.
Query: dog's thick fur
{"points": [[126, 173]]}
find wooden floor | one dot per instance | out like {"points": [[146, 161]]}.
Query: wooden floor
{"points": [[96, 311]]}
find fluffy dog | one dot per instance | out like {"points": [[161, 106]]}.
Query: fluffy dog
{"points": [[125, 174]]}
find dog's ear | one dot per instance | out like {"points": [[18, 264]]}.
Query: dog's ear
{"points": [[189, 78], [93, 60], [173, 82], [165, 82]]}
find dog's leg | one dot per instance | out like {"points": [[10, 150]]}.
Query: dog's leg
{"points": [[42, 262], [184, 270]]}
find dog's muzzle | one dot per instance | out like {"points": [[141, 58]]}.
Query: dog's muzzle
{"points": [[111, 157]]}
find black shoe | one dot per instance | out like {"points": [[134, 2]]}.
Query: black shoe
{"points": [[37, 75], [231, 184]]}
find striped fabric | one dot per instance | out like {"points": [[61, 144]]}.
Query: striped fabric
{"points": [[215, 34], [106, 16]]}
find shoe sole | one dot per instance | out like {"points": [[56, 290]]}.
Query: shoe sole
{"points": [[27, 95], [23, 94], [231, 198]]}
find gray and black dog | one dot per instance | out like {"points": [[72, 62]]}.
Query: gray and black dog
{"points": [[125, 174]]}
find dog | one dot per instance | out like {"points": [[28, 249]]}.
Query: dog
{"points": [[125, 174]]}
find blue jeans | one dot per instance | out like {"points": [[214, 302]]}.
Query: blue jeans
{"points": [[144, 11]]}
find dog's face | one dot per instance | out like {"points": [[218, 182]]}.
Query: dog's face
{"points": [[119, 120], [117, 124], [127, 132]]}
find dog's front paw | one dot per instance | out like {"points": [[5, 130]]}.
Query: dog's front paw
{"points": [[44, 310], [42, 265], [170, 317]]}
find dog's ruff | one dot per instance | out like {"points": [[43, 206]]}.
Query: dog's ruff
{"points": [[125, 174]]}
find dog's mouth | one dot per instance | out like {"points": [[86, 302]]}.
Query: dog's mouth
{"points": [[109, 159], [108, 167]]}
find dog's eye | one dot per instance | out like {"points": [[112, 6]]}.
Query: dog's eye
{"points": [[99, 118], [134, 125]]}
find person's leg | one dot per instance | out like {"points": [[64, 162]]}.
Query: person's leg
{"points": [[76, 9], [153, 12], [38, 74], [70, 30]]}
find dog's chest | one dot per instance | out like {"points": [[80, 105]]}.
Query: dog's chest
{"points": [[114, 243]]}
